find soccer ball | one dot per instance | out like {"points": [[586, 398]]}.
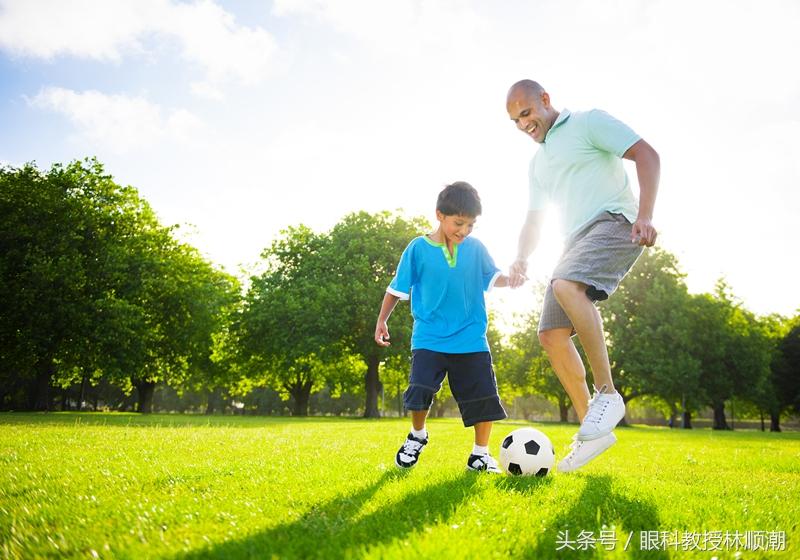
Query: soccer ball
{"points": [[527, 451]]}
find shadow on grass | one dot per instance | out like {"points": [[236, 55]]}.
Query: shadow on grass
{"points": [[599, 505], [335, 529], [525, 485]]}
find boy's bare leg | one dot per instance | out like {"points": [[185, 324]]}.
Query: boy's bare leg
{"points": [[482, 432], [418, 419], [480, 459], [409, 452], [568, 366], [589, 325]]}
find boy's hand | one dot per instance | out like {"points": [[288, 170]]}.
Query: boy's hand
{"points": [[382, 334], [517, 276]]}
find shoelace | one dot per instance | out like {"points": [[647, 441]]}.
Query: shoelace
{"points": [[487, 461], [411, 446], [597, 408], [573, 448]]}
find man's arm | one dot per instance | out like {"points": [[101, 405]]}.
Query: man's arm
{"points": [[502, 281], [648, 170], [528, 240], [381, 329]]}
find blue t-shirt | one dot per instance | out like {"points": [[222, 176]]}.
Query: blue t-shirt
{"points": [[447, 294]]}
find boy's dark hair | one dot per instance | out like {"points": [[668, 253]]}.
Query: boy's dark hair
{"points": [[459, 199]]}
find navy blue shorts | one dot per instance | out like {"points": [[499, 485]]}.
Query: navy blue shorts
{"points": [[471, 379]]}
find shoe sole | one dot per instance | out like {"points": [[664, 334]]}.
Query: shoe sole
{"points": [[470, 469], [588, 459], [598, 435], [404, 467]]}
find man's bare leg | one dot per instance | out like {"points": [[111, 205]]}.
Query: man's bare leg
{"points": [[568, 366]]}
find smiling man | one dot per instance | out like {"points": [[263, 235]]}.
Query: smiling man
{"points": [[578, 168]]}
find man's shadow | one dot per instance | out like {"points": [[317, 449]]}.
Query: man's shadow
{"points": [[599, 505], [336, 525]]}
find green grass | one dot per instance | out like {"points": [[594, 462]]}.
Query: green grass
{"points": [[186, 487]]}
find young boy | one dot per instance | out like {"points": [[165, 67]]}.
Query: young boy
{"points": [[445, 274]]}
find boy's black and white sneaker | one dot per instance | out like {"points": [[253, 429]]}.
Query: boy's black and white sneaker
{"points": [[408, 455], [484, 463]]}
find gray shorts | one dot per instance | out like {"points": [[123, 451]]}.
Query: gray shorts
{"points": [[599, 255]]}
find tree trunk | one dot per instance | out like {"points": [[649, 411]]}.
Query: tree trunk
{"points": [[774, 422], [145, 390], [563, 410], [686, 422], [372, 387], [301, 393], [64, 400], [673, 416], [214, 401], [41, 388], [82, 397], [719, 417]]}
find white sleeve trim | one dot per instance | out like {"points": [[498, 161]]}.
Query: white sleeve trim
{"points": [[401, 295], [497, 275]]}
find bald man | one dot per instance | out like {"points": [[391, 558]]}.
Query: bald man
{"points": [[578, 169]]}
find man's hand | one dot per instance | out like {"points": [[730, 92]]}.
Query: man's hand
{"points": [[643, 232], [517, 273], [382, 334]]}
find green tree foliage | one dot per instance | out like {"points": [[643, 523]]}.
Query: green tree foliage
{"points": [[285, 331], [94, 287], [779, 391], [732, 348], [649, 333], [317, 301], [524, 368], [362, 258]]}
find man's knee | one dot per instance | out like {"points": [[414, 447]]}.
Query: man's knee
{"points": [[554, 339], [567, 288]]}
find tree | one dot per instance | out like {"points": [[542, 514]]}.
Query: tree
{"points": [[526, 368], [362, 255], [731, 347], [649, 334], [46, 247], [285, 327], [782, 386], [93, 286]]}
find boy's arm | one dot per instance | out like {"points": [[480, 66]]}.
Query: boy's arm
{"points": [[381, 329], [528, 240], [648, 170]]}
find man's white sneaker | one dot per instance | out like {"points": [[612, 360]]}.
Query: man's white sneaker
{"points": [[605, 412], [581, 452]]}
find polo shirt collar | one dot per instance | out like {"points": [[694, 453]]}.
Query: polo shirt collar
{"points": [[561, 119]]}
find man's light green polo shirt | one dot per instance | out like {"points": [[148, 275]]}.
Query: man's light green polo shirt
{"points": [[579, 168]]}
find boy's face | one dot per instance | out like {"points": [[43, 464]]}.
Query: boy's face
{"points": [[455, 228], [532, 114]]}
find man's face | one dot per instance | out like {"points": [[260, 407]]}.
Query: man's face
{"points": [[455, 228], [532, 113]]}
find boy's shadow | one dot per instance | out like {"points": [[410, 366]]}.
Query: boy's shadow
{"points": [[599, 505], [336, 526]]}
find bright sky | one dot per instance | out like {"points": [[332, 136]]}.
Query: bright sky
{"points": [[244, 117]]}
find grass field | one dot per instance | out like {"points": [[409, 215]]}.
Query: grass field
{"points": [[186, 487]]}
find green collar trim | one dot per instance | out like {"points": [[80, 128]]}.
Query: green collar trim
{"points": [[451, 259]]}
